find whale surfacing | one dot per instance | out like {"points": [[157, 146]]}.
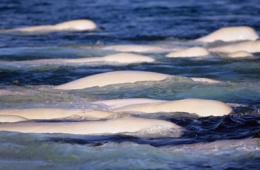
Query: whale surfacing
{"points": [[74, 25], [136, 48], [120, 77], [77, 25], [205, 80], [189, 52], [109, 78], [119, 58], [117, 103], [247, 46], [11, 118], [127, 58], [236, 33], [55, 113], [201, 107], [239, 54], [113, 126]]}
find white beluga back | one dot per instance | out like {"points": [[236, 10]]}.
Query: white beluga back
{"points": [[74, 25], [11, 118], [127, 58], [77, 25], [236, 33], [199, 107], [110, 78], [189, 52], [206, 80], [56, 113], [117, 103], [145, 127], [120, 77], [247, 46], [136, 48], [239, 54], [119, 58]]}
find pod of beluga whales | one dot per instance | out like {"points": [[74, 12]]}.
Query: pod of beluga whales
{"points": [[119, 117]]}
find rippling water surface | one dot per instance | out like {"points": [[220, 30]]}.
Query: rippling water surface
{"points": [[208, 143]]}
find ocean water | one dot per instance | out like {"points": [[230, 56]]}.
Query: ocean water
{"points": [[228, 142]]}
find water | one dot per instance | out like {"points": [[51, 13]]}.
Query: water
{"points": [[229, 142]]}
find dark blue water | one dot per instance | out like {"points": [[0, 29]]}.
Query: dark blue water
{"points": [[132, 22], [125, 21]]}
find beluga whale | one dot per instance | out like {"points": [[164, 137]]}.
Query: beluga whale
{"points": [[136, 48], [11, 118], [117, 59], [115, 77], [74, 25], [54, 113], [234, 33], [189, 52], [121, 77], [128, 125], [246, 46], [117, 103], [200, 107], [239, 54]]}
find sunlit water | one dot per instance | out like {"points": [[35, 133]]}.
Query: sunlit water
{"points": [[208, 143]]}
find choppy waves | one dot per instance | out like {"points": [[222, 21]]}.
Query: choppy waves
{"points": [[31, 67]]}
